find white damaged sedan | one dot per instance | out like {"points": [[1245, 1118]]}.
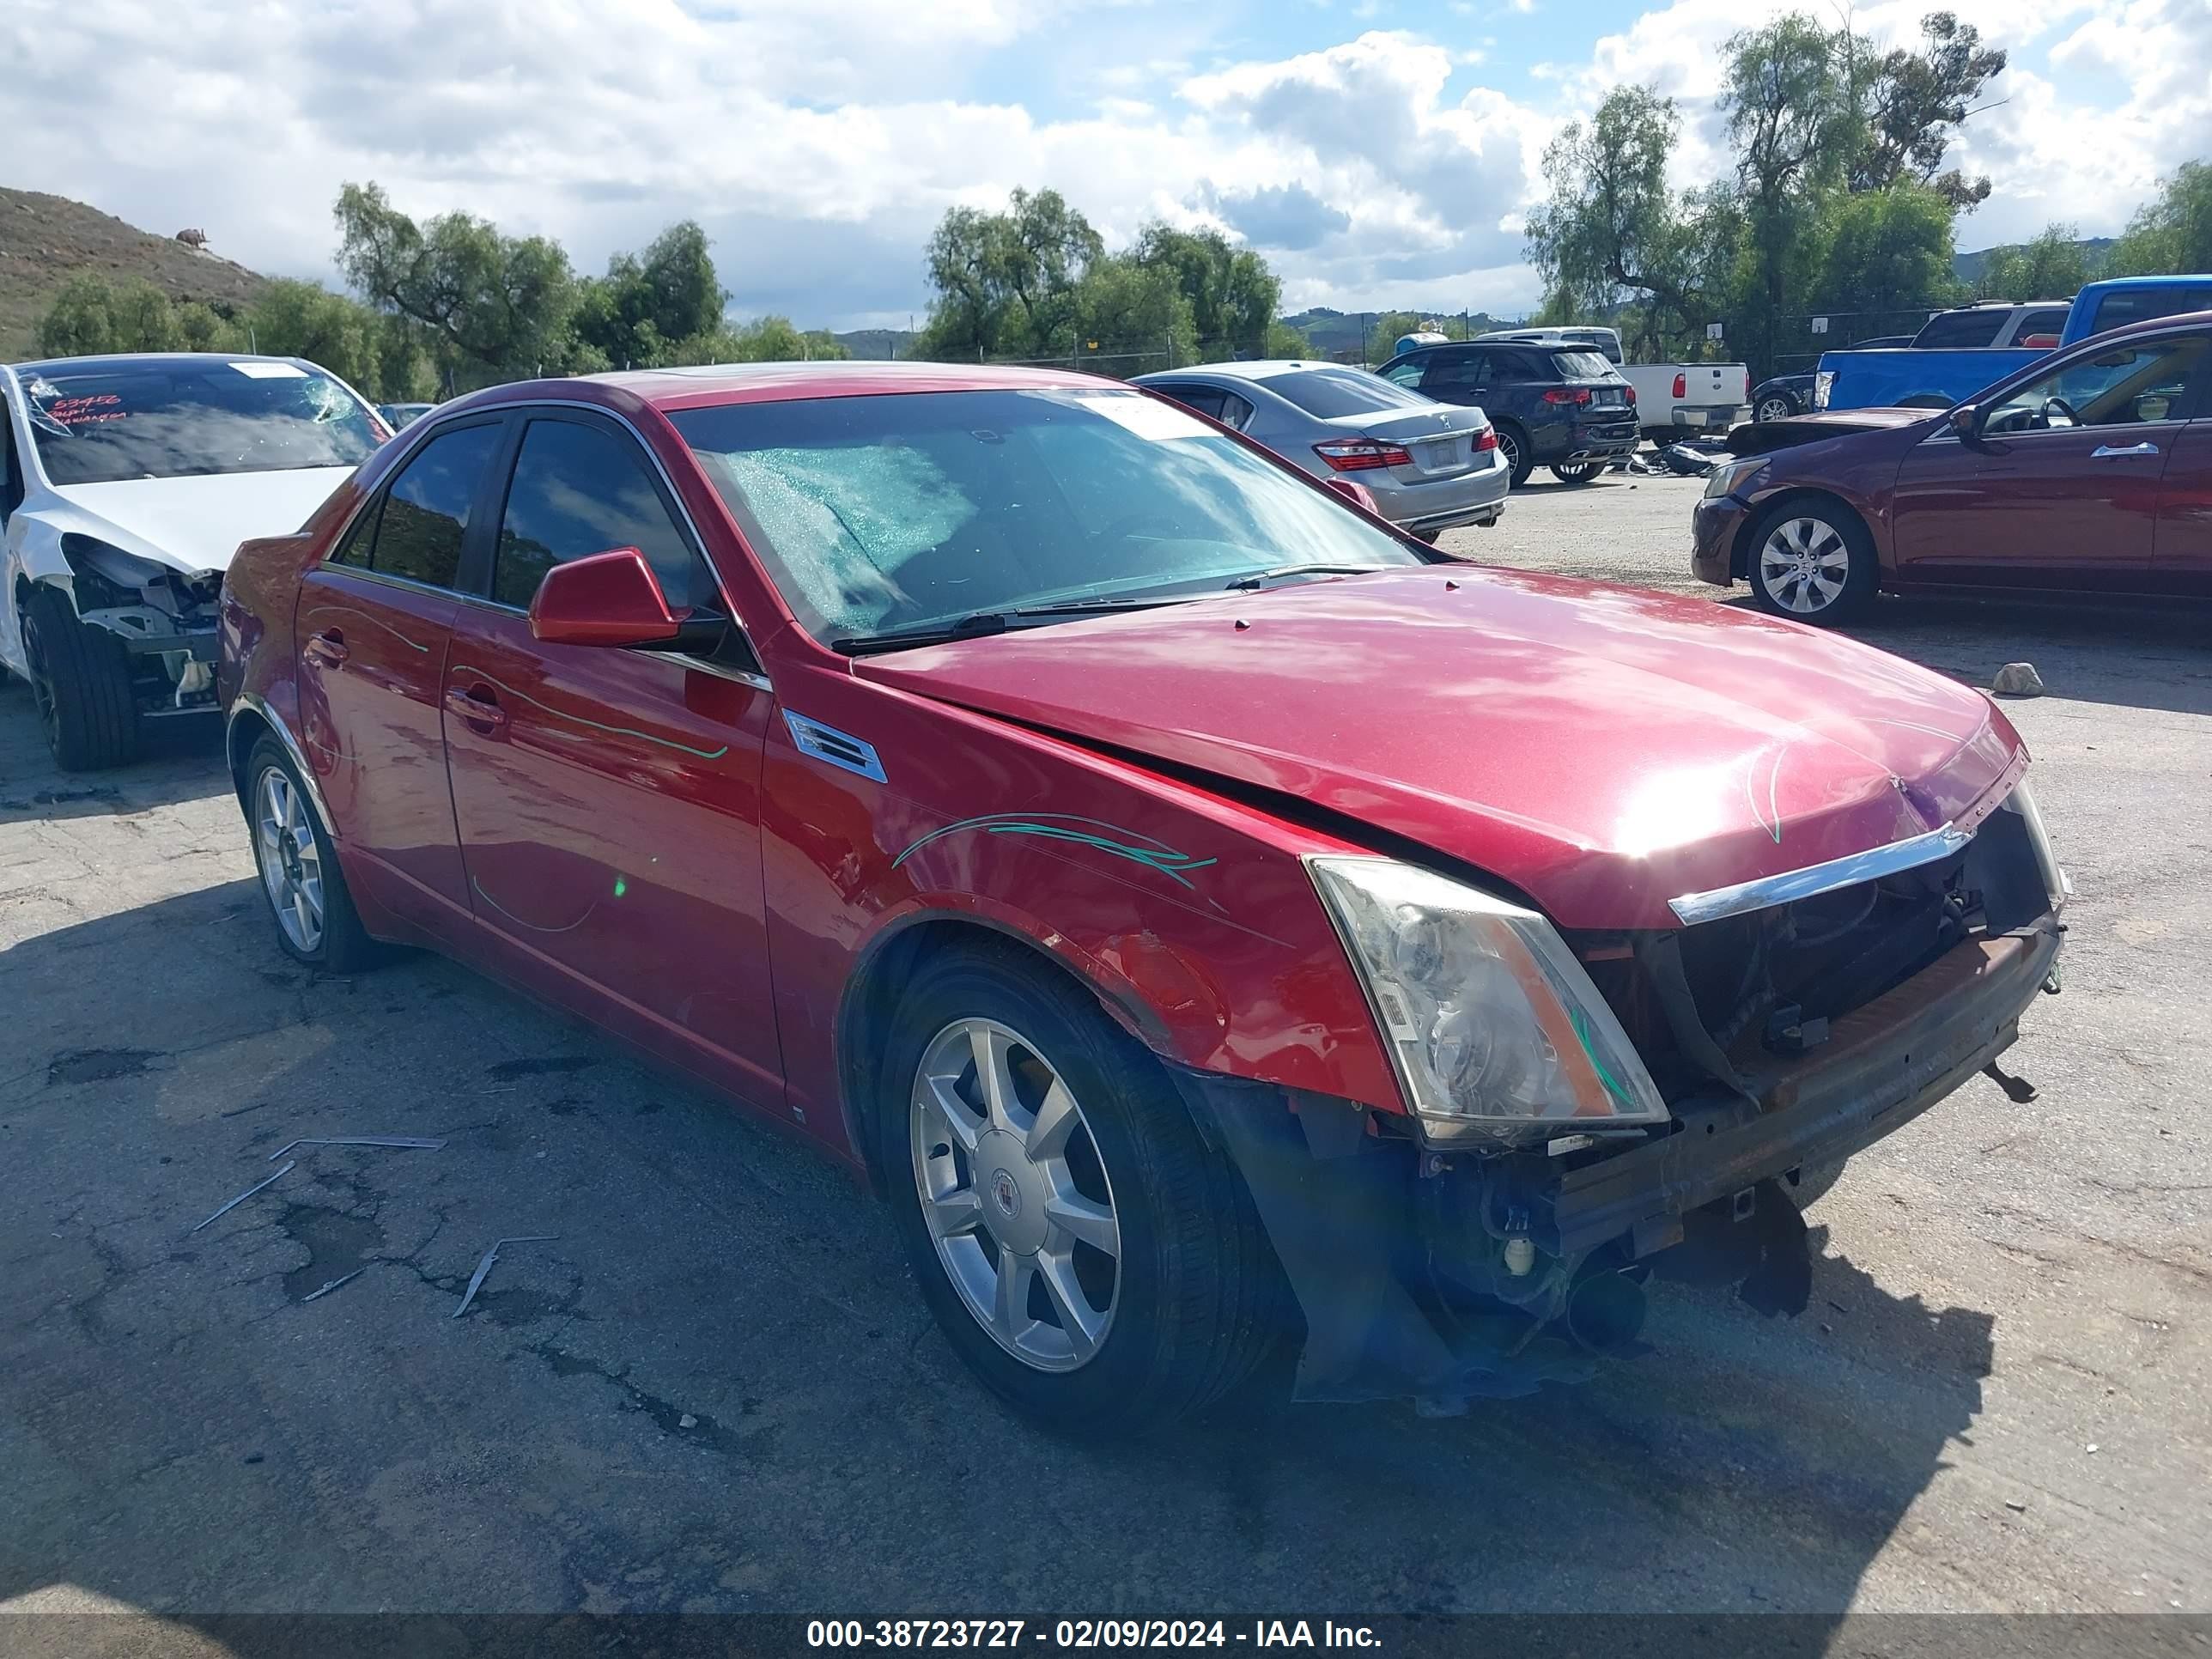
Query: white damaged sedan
{"points": [[126, 484]]}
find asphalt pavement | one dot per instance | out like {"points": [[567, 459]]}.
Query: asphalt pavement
{"points": [[715, 1389]]}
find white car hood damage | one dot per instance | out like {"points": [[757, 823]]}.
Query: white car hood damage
{"points": [[192, 524]]}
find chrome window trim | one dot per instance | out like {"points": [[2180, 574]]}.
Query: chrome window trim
{"points": [[500, 410], [248, 699], [1691, 909], [385, 579]]}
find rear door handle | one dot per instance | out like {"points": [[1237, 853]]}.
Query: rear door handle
{"points": [[328, 647], [2105, 451], [482, 711]]}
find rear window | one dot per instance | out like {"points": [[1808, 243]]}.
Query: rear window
{"points": [[1580, 366], [1962, 329], [1329, 392], [2136, 305]]}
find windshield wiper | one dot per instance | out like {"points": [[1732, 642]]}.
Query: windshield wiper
{"points": [[981, 623], [1267, 576]]}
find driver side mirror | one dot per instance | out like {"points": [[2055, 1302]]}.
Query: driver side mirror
{"points": [[614, 599], [1355, 492], [1966, 422]]}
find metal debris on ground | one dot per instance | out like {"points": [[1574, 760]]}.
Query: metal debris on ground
{"points": [[249, 1192], [333, 1285], [412, 1142], [491, 1255]]}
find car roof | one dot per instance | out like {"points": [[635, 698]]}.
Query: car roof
{"points": [[2111, 282], [152, 359], [745, 383], [1263, 368]]}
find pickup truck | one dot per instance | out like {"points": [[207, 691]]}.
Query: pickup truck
{"points": [[1673, 400], [1926, 376]]}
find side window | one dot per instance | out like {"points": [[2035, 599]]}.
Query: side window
{"points": [[360, 540], [1406, 374], [1457, 371], [2144, 383], [2037, 325], [580, 490], [2139, 304], [1235, 411], [425, 512], [1203, 398], [11, 478]]}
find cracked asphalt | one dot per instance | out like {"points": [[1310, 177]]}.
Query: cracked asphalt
{"points": [[716, 1389]]}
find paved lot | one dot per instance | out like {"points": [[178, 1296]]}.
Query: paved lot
{"points": [[717, 1389]]}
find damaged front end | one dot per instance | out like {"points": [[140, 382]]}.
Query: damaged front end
{"points": [[1789, 1024], [164, 618]]}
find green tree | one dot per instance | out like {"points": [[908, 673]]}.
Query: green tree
{"points": [[1123, 305], [1232, 294], [1886, 250], [2171, 233], [636, 314], [2052, 266], [502, 307], [90, 315], [1005, 281], [197, 326], [1612, 233], [1915, 102], [305, 319]]}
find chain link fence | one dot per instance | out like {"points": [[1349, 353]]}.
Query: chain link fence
{"points": [[1799, 341]]}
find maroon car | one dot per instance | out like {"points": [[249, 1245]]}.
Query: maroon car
{"points": [[2090, 471], [1211, 919]]}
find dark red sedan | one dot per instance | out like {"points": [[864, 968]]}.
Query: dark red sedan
{"points": [[1209, 919], [2089, 472]]}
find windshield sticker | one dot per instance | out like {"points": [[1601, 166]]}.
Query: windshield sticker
{"points": [[84, 411], [270, 371], [1148, 418]]}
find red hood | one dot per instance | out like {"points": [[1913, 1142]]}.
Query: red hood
{"points": [[1604, 748]]}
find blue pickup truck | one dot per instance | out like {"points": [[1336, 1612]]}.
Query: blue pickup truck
{"points": [[1919, 378]]}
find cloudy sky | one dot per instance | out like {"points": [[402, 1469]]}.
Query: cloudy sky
{"points": [[1380, 152]]}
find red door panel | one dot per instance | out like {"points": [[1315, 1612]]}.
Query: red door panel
{"points": [[608, 803], [2041, 509], [2181, 556]]}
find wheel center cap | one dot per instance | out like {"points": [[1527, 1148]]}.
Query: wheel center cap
{"points": [[1013, 1192]]}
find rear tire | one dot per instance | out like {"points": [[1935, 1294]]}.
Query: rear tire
{"points": [[1090, 1146], [1515, 443], [1773, 407], [1812, 561], [316, 922], [81, 682]]}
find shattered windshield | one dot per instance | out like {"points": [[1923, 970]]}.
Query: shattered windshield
{"points": [[183, 417], [901, 511]]}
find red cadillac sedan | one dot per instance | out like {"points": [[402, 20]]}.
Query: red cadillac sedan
{"points": [[1209, 919]]}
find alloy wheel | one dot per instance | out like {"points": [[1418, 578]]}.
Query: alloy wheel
{"points": [[1804, 564], [1510, 446], [1773, 409], [291, 865], [1015, 1194]]}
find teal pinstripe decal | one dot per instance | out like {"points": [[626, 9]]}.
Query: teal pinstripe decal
{"points": [[1061, 826]]}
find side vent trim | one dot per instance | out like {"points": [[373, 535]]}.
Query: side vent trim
{"points": [[833, 748]]}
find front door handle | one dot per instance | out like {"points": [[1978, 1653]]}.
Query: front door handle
{"points": [[2105, 451], [328, 647], [479, 708]]}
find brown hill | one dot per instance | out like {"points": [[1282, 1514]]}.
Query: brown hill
{"points": [[46, 240]]}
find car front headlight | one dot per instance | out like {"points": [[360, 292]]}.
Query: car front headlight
{"points": [[1824, 381], [1496, 1031], [1725, 479]]}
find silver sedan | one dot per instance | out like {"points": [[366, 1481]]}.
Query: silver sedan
{"points": [[1428, 466]]}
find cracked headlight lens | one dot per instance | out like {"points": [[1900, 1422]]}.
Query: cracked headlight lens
{"points": [[1495, 1030]]}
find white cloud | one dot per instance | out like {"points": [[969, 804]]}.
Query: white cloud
{"points": [[819, 144]]}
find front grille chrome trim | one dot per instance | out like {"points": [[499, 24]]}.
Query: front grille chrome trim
{"points": [[1691, 909]]}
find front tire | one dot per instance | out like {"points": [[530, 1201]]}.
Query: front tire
{"points": [[1773, 407], [1089, 1256], [316, 922], [81, 683], [1812, 561]]}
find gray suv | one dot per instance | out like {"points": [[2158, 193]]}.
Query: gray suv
{"points": [[1429, 465]]}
